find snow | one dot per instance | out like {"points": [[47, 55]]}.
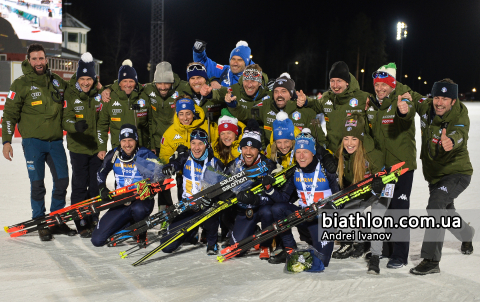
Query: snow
{"points": [[72, 269]]}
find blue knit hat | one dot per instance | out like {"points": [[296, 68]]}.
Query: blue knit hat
{"points": [[305, 140], [243, 51], [283, 127], [86, 67], [185, 104], [126, 71]]}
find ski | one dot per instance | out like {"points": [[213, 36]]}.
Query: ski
{"points": [[338, 199], [186, 204], [139, 190], [280, 179]]}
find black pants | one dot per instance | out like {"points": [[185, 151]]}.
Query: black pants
{"points": [[440, 203], [401, 201], [84, 183]]}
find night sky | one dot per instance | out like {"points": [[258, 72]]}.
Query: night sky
{"points": [[443, 36]]}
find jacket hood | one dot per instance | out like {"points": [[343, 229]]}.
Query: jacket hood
{"points": [[195, 124], [30, 74]]}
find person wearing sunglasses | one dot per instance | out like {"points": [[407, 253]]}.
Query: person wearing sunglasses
{"points": [[446, 166], [343, 98], [197, 88], [395, 137], [310, 183], [225, 75], [194, 164]]}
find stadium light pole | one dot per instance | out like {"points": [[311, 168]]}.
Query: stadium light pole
{"points": [[401, 35]]}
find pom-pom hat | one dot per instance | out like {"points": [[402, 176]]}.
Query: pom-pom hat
{"points": [[283, 127], [127, 71], [243, 51], [86, 66], [227, 122]]}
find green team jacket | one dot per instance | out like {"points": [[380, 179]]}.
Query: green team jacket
{"points": [[162, 109], [436, 162], [81, 106], [336, 107], [30, 104], [375, 161], [118, 111], [393, 135], [213, 105]]}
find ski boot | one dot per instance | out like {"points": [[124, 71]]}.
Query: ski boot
{"points": [[374, 265], [62, 229], [45, 235], [345, 250], [212, 250]]}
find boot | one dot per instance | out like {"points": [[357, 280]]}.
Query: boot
{"points": [[374, 265], [425, 267], [264, 253], [467, 247], [281, 257], [142, 239], [62, 229], [212, 250], [358, 250], [86, 233], [345, 250], [45, 235]]}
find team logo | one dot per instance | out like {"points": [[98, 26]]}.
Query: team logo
{"points": [[77, 101], [183, 106], [126, 132], [55, 83], [249, 143], [98, 98], [116, 103], [280, 132], [444, 89], [225, 126], [237, 50], [296, 115], [353, 102], [351, 123], [349, 128], [329, 103], [84, 70], [141, 102], [124, 74]]}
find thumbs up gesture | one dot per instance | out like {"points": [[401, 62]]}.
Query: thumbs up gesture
{"points": [[402, 103], [447, 143]]}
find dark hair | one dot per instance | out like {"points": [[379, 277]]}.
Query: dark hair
{"points": [[35, 47], [447, 80], [224, 152]]}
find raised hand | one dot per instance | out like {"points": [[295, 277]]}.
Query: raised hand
{"points": [[447, 143]]}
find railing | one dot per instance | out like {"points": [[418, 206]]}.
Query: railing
{"points": [[57, 64]]}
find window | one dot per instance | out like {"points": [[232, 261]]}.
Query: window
{"points": [[3, 57], [73, 37]]}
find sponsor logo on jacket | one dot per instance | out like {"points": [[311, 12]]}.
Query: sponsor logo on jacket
{"points": [[36, 103], [116, 111], [116, 103], [271, 112], [78, 108], [36, 94], [152, 94], [77, 101], [33, 87], [177, 136], [329, 102]]}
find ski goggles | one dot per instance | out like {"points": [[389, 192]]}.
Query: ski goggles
{"points": [[380, 74], [200, 135], [194, 67]]}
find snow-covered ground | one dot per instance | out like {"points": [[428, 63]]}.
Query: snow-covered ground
{"points": [[71, 269]]}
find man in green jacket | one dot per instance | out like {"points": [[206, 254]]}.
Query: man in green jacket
{"points": [[395, 137], [344, 98], [446, 166], [166, 87], [125, 107], [80, 115], [267, 108], [35, 102]]}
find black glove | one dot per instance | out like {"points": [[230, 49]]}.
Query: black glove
{"points": [[168, 169], [270, 84], [247, 197], [267, 182], [377, 185], [199, 45], [104, 192], [81, 126], [328, 161], [180, 150]]}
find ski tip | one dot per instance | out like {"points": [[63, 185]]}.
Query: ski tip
{"points": [[220, 259], [397, 166], [169, 186], [404, 170], [167, 181], [18, 234], [6, 229]]}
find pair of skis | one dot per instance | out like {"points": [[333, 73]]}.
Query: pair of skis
{"points": [[193, 202], [182, 230], [139, 190], [336, 200]]}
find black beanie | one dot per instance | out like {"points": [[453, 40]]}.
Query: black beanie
{"points": [[447, 90], [128, 131], [340, 70], [251, 135], [285, 81], [354, 126], [86, 67]]}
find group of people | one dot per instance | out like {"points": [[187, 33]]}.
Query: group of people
{"points": [[227, 118]]}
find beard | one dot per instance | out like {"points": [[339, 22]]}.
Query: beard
{"points": [[38, 72]]}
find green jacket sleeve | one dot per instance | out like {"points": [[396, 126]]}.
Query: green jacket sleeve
{"points": [[103, 125], [11, 111], [316, 105], [69, 119], [459, 134]]}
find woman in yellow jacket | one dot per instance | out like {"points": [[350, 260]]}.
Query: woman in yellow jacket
{"points": [[227, 146], [282, 140], [189, 117]]}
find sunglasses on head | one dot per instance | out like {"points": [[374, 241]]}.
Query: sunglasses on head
{"points": [[381, 75], [195, 67], [198, 134]]}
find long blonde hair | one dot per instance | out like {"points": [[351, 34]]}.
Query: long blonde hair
{"points": [[274, 150], [358, 164]]}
